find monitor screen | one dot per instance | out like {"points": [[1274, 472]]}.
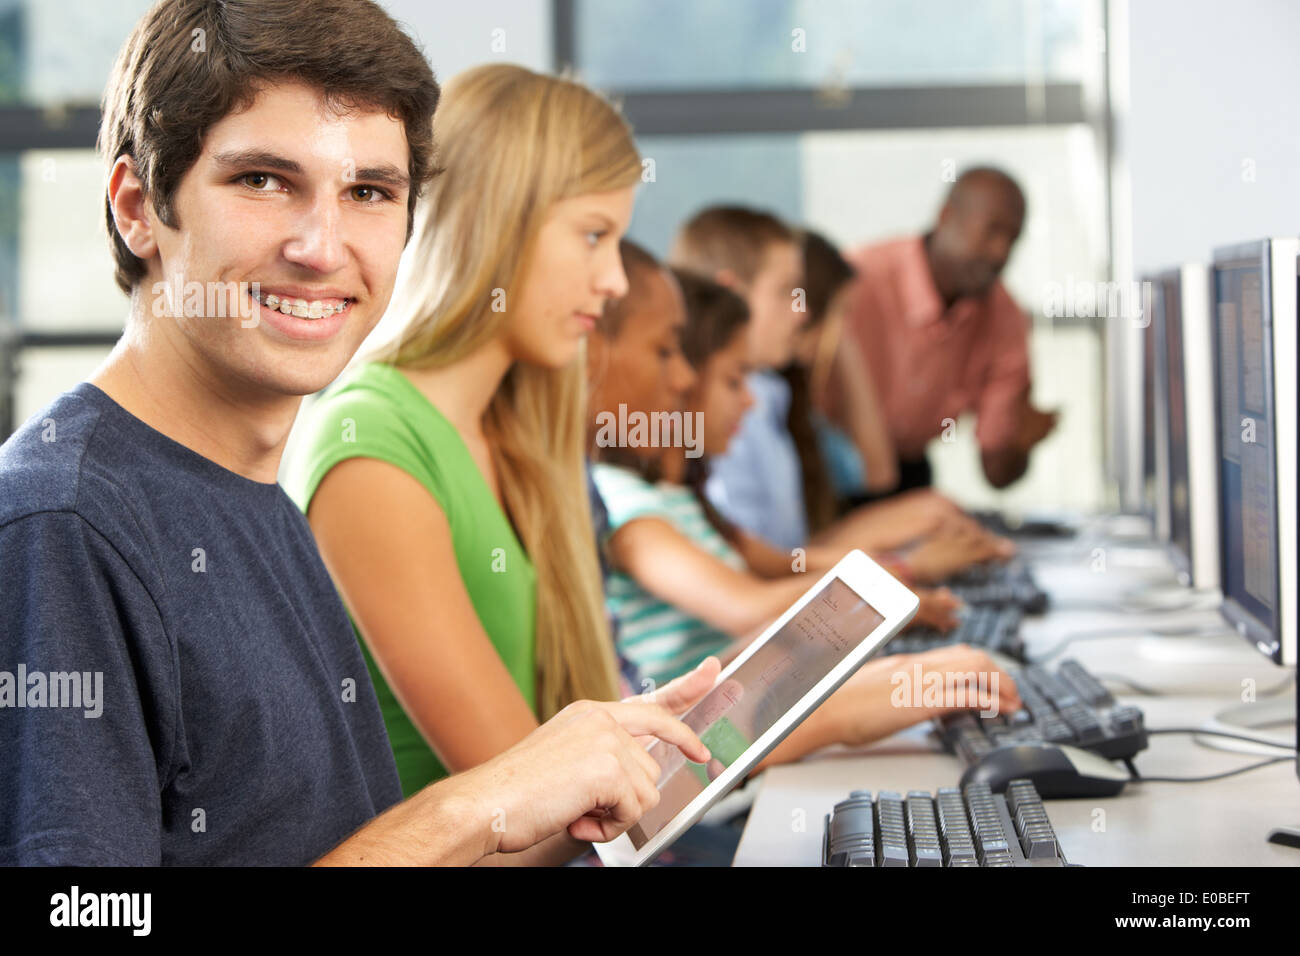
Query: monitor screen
{"points": [[1169, 322], [1247, 472]]}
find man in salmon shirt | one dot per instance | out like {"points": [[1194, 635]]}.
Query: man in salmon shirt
{"points": [[941, 335]]}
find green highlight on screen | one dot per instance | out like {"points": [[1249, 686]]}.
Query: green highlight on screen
{"points": [[725, 742]]}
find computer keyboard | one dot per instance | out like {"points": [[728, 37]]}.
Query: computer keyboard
{"points": [[970, 827], [988, 626], [999, 523], [1000, 584], [1069, 707]]}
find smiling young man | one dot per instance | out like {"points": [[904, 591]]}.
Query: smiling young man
{"points": [[264, 156]]}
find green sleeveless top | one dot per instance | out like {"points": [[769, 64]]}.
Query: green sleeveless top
{"points": [[374, 411]]}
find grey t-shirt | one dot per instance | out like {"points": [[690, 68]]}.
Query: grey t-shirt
{"points": [[221, 712]]}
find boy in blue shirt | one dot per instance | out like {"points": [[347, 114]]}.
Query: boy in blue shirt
{"points": [[221, 712]]}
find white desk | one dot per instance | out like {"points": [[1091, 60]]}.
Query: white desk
{"points": [[1217, 823]]}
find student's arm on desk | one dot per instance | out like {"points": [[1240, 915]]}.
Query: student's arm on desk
{"points": [[675, 569], [889, 524], [863, 709], [938, 607], [770, 562]]}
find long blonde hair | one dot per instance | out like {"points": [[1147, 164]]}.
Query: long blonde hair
{"points": [[509, 143]]}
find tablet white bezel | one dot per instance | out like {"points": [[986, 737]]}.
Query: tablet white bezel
{"points": [[873, 584]]}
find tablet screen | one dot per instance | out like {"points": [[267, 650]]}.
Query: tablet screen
{"points": [[757, 694]]}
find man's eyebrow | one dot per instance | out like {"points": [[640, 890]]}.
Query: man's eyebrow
{"points": [[385, 174], [256, 158]]}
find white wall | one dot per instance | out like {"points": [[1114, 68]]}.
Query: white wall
{"points": [[1206, 154], [1213, 130]]}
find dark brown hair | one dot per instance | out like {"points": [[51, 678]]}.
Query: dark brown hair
{"points": [[638, 264], [714, 317], [730, 238], [825, 273], [189, 63]]}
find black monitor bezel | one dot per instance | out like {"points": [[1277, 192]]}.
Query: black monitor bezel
{"points": [[1148, 453], [1180, 559]]}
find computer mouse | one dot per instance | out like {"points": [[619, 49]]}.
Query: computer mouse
{"points": [[1035, 602], [1057, 770]]}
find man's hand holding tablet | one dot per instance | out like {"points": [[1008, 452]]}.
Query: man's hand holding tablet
{"points": [[586, 771]]}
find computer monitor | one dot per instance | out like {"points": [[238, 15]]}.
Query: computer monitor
{"points": [[1124, 413], [1155, 420], [1290, 835], [1253, 292], [1182, 321]]}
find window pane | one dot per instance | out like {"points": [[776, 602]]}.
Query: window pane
{"points": [[861, 186], [455, 36], [45, 373], [9, 185], [56, 271], [61, 52], [671, 44], [698, 171]]}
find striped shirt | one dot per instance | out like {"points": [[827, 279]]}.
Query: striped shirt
{"points": [[663, 641]]}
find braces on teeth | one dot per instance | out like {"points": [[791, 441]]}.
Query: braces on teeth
{"points": [[301, 307]]}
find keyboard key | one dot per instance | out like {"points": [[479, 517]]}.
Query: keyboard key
{"points": [[950, 828], [893, 849]]}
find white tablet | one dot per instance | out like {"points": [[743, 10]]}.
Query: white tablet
{"points": [[777, 681]]}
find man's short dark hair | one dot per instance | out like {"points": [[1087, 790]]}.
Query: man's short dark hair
{"points": [[190, 63], [977, 176]]}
